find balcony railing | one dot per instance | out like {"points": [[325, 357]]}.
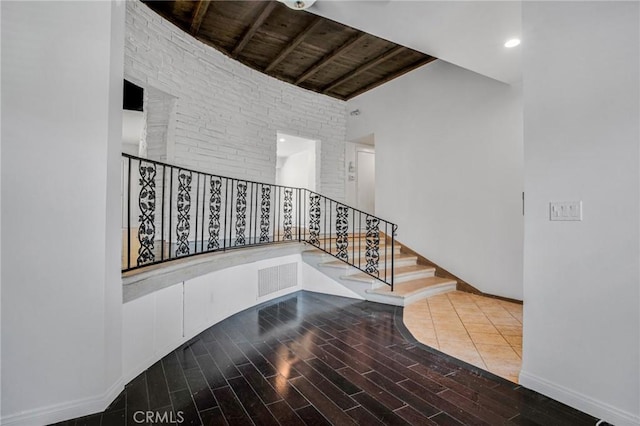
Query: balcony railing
{"points": [[172, 212]]}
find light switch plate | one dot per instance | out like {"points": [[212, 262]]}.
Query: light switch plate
{"points": [[565, 210]]}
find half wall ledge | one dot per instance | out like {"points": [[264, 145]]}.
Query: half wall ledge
{"points": [[140, 282]]}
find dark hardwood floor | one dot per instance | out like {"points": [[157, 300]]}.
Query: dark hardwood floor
{"points": [[315, 359]]}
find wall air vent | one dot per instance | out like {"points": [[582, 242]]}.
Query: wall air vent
{"points": [[276, 278]]}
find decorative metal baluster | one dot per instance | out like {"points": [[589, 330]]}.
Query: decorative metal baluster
{"points": [[314, 219], [183, 225], [241, 213], [342, 232], [246, 220], [215, 203], [287, 209], [147, 204], [372, 254], [265, 209]]}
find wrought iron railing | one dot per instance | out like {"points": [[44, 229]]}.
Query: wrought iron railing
{"points": [[172, 212]]}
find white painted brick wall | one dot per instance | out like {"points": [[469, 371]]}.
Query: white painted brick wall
{"points": [[227, 114]]}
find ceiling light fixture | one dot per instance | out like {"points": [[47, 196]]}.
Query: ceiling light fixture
{"points": [[298, 4], [281, 139], [512, 43]]}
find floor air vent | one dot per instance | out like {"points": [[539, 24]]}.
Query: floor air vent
{"points": [[276, 278]]}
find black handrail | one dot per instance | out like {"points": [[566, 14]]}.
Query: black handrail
{"points": [[241, 213]]}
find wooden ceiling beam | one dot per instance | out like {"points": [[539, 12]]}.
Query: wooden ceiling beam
{"points": [[198, 16], [417, 64], [362, 68], [327, 59], [295, 43], [264, 14], [259, 26]]}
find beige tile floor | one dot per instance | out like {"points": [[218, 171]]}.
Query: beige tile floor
{"points": [[482, 331]]}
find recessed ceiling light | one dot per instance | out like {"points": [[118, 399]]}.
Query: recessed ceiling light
{"points": [[281, 139], [512, 43], [298, 4]]}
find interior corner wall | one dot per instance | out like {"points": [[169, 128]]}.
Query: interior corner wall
{"points": [[227, 114], [61, 136], [158, 108], [449, 170], [0, 239], [113, 210], [581, 143], [296, 170]]}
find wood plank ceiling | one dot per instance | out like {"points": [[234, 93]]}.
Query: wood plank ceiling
{"points": [[293, 45]]}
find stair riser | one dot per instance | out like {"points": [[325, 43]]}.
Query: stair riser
{"points": [[350, 235], [400, 301], [362, 254], [397, 263], [361, 243], [405, 262], [414, 276], [397, 278]]}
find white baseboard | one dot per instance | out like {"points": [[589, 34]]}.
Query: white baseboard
{"points": [[585, 403], [67, 410]]}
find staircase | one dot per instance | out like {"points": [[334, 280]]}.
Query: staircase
{"points": [[412, 281], [172, 212]]}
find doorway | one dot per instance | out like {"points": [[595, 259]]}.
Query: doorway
{"points": [[296, 161], [360, 156]]}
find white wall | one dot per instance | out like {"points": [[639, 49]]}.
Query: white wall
{"points": [[297, 170], [228, 114], [61, 137], [159, 322], [316, 281], [132, 125], [449, 170], [357, 181], [581, 279], [298, 161], [152, 327], [159, 107], [0, 237]]}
